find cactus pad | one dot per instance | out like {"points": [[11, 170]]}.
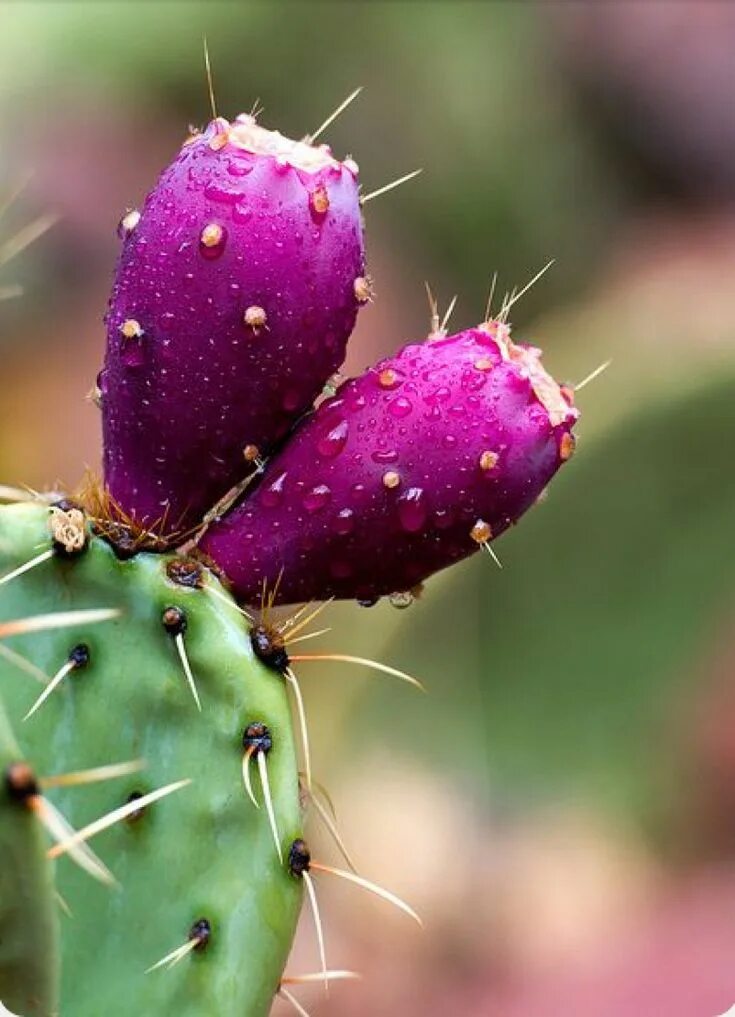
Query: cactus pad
{"points": [[198, 866], [29, 953]]}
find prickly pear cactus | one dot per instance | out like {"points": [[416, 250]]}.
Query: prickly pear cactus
{"points": [[154, 706], [200, 861]]}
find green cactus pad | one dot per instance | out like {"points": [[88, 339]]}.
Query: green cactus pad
{"points": [[29, 954], [204, 852]]}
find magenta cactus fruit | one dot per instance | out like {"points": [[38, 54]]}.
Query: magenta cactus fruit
{"points": [[414, 465], [236, 291]]}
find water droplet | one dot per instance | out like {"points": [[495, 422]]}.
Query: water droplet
{"points": [[242, 212], [401, 600], [473, 381], [412, 509], [272, 496], [344, 522], [239, 169], [385, 456], [443, 519], [224, 193], [317, 498], [331, 444], [400, 407]]}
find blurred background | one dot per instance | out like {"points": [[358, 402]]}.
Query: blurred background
{"points": [[561, 806]]}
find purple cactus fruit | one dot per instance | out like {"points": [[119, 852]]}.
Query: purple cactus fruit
{"points": [[409, 468], [236, 291]]}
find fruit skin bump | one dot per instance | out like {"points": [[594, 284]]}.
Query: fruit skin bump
{"points": [[410, 467], [203, 853], [232, 304]]}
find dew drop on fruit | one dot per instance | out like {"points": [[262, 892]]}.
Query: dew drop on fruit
{"points": [[384, 456], [412, 509], [317, 498], [344, 522], [272, 496], [400, 407], [331, 444]]}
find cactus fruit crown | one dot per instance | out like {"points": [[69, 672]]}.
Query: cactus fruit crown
{"points": [[150, 700]]}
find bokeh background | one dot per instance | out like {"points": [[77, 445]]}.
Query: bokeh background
{"points": [[561, 806]]}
